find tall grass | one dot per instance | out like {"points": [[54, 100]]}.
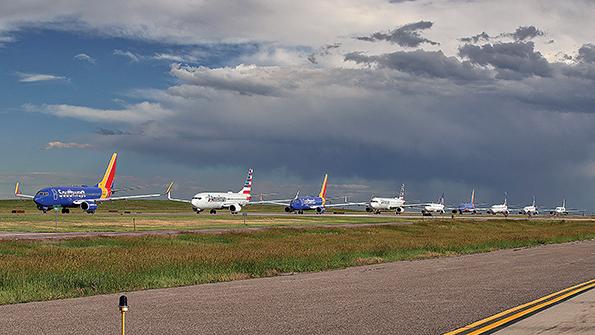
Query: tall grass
{"points": [[42, 270]]}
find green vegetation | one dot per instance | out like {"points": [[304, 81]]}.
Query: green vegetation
{"points": [[43, 270]]}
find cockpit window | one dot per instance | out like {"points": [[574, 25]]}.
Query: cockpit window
{"points": [[42, 194]]}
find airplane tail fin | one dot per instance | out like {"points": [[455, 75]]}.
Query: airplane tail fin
{"points": [[108, 178], [402, 192], [505, 198], [564, 203], [533, 201], [473, 197], [323, 189], [247, 189], [441, 200]]}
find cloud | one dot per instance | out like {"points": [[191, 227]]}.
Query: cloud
{"points": [[511, 60], [112, 132], [85, 58], [483, 36], [136, 113], [69, 145], [133, 57], [175, 57], [37, 77], [432, 64], [243, 79], [586, 53], [525, 33], [406, 36]]}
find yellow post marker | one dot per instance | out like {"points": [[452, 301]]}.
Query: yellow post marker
{"points": [[123, 305]]}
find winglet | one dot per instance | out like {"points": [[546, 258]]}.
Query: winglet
{"points": [[168, 189], [17, 190]]}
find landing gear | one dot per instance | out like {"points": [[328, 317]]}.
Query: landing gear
{"points": [[300, 212], [65, 210], [213, 211]]}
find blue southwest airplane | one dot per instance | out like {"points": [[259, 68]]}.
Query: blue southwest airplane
{"points": [[85, 197], [305, 203]]}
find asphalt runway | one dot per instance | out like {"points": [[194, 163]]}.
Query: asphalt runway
{"points": [[414, 297]]}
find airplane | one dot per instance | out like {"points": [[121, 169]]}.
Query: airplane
{"points": [[214, 201], [84, 197], [530, 210], [500, 208], [560, 210], [467, 207], [299, 204], [397, 204], [432, 207]]}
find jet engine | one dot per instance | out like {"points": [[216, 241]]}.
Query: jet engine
{"points": [[400, 210], [89, 207], [319, 210], [235, 208], [369, 209], [288, 209]]}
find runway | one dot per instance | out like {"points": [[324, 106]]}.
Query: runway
{"points": [[415, 297]]}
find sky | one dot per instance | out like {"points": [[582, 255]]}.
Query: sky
{"points": [[444, 96]]}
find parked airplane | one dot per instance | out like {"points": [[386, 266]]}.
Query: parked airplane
{"points": [[397, 204], [530, 210], [500, 208], [432, 207], [299, 204], [467, 207], [85, 197], [220, 200], [560, 210]]}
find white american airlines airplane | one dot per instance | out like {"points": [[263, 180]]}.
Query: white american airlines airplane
{"points": [[220, 200]]}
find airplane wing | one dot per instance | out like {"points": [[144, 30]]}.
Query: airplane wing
{"points": [[168, 192], [17, 192], [346, 204], [283, 202]]}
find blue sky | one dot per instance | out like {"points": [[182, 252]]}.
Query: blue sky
{"points": [[443, 96]]}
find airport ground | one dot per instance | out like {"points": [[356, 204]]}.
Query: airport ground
{"points": [[415, 297], [139, 245]]}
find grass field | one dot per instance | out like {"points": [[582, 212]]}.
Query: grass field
{"points": [[43, 270], [143, 215]]}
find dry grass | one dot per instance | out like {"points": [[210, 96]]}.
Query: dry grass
{"points": [[42, 270]]}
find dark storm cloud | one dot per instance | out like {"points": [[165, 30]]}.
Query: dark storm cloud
{"points": [[525, 33], [324, 51], [483, 36], [520, 34], [408, 35], [586, 53], [422, 63], [513, 60], [112, 132]]}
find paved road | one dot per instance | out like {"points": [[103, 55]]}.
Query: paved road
{"points": [[416, 297], [572, 317]]}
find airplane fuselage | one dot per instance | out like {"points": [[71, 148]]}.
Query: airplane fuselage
{"points": [[498, 209], [211, 200], [67, 197], [433, 208], [386, 204], [529, 210], [306, 203], [465, 208]]}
